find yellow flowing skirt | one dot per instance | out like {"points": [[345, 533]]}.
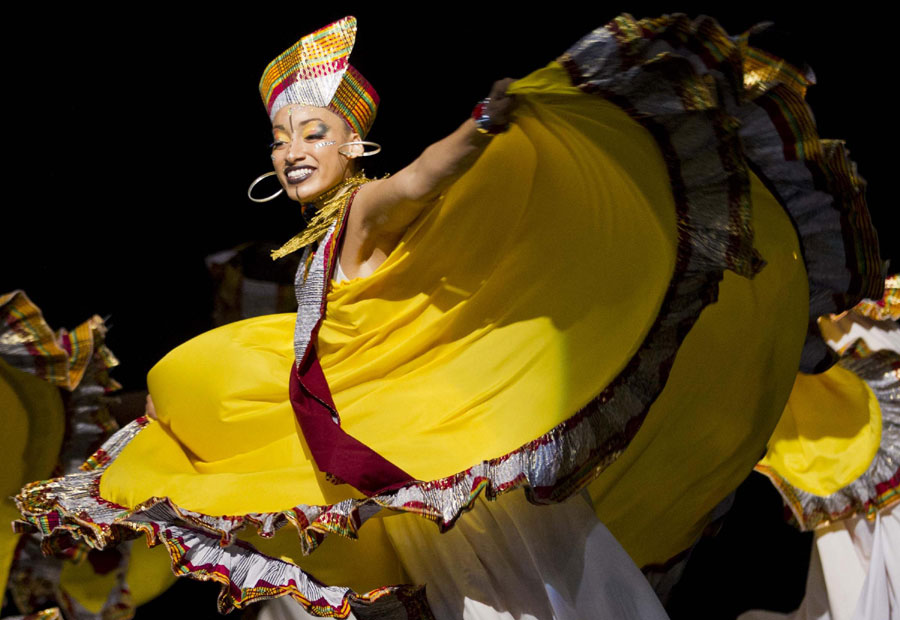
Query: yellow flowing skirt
{"points": [[508, 306]]}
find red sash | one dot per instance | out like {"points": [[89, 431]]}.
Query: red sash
{"points": [[334, 451]]}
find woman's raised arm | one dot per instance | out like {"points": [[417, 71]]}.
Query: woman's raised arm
{"points": [[383, 210]]}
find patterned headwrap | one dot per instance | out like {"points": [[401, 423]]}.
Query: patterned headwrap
{"points": [[314, 71]]}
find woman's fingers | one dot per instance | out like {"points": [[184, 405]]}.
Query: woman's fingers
{"points": [[500, 104], [493, 113], [498, 90]]}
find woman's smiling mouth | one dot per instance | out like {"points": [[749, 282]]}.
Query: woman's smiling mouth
{"points": [[298, 174]]}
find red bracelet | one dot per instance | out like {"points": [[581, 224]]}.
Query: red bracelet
{"points": [[483, 121]]}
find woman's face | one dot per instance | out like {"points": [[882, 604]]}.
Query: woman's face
{"points": [[305, 151]]}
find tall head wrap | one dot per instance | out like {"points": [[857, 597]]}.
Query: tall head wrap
{"points": [[314, 71]]}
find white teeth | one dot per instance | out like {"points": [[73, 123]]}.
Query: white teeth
{"points": [[302, 173]]}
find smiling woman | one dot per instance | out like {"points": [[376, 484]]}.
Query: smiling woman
{"points": [[551, 299]]}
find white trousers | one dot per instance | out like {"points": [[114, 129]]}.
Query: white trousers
{"points": [[511, 560], [854, 572]]}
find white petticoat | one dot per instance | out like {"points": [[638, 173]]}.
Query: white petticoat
{"points": [[511, 560]]}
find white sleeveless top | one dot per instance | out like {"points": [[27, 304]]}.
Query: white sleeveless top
{"points": [[339, 275]]}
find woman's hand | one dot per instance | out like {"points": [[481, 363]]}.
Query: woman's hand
{"points": [[500, 105]]}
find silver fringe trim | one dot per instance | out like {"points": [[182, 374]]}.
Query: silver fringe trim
{"points": [[311, 288]]}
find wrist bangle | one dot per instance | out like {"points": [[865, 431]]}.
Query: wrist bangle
{"points": [[483, 121]]}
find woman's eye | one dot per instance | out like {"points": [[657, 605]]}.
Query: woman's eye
{"points": [[316, 136], [276, 144]]}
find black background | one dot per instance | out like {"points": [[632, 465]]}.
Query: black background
{"points": [[132, 135]]}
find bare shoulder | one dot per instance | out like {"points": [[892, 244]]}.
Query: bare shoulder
{"points": [[368, 194], [376, 202], [382, 191], [367, 241]]}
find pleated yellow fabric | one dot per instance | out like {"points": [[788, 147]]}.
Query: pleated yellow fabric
{"points": [[505, 308], [829, 432]]}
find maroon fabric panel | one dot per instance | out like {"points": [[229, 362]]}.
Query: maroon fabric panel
{"points": [[334, 451]]}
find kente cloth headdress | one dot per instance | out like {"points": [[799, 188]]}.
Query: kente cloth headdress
{"points": [[314, 71]]}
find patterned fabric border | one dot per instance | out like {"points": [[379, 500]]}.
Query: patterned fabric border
{"points": [[879, 486], [679, 80], [62, 358], [88, 420], [646, 69], [46, 614], [237, 566], [813, 179], [205, 547], [313, 276], [885, 309], [818, 185], [28, 343]]}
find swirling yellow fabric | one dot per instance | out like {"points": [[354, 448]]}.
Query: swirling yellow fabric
{"points": [[505, 308]]}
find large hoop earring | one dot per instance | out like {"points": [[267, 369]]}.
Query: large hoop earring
{"points": [[258, 179], [365, 153]]}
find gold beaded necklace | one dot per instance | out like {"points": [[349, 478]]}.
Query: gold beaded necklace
{"points": [[330, 208]]}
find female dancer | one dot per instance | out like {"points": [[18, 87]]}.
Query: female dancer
{"points": [[533, 309], [834, 459], [53, 398]]}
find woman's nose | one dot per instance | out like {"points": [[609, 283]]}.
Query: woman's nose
{"points": [[296, 151]]}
